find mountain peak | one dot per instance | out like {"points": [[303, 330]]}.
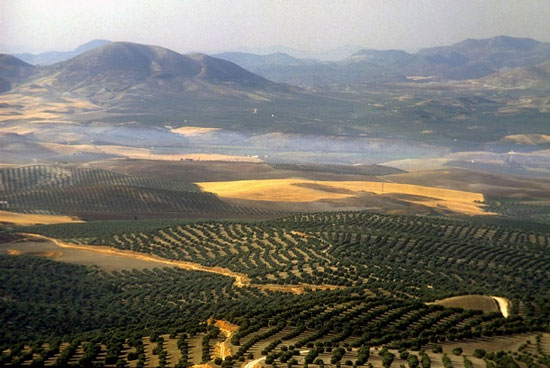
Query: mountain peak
{"points": [[90, 45], [120, 66], [502, 42]]}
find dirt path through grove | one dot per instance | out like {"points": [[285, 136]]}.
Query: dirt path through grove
{"points": [[241, 279]]}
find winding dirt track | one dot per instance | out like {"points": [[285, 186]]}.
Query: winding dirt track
{"points": [[241, 279], [503, 305]]}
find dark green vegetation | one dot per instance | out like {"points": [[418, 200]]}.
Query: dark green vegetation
{"points": [[44, 301], [388, 265], [424, 257], [87, 191], [521, 210]]}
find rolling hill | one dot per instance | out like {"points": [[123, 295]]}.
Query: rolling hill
{"points": [[12, 71], [537, 76], [125, 66]]}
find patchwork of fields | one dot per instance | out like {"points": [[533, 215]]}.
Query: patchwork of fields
{"points": [[314, 289], [68, 190], [302, 190]]}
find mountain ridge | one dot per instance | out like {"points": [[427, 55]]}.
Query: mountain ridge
{"points": [[52, 57]]}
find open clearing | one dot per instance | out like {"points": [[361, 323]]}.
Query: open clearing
{"points": [[477, 302], [25, 219], [303, 190]]}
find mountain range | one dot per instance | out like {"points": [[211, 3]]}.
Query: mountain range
{"points": [[52, 57], [404, 96], [469, 59]]}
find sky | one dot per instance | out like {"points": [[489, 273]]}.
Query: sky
{"points": [[220, 25]]}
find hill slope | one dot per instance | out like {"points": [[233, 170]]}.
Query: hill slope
{"points": [[13, 70], [537, 76]]}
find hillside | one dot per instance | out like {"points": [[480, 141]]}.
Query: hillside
{"points": [[93, 193], [12, 71], [537, 76], [188, 292]]}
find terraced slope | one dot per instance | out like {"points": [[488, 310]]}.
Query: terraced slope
{"points": [[80, 190], [410, 257], [49, 300]]}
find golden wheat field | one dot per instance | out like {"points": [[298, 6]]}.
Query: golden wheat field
{"points": [[25, 219], [304, 190]]}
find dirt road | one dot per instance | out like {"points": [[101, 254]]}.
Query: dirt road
{"points": [[241, 280]]}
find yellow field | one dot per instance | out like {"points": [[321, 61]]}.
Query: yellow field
{"points": [[190, 131], [304, 190], [25, 219]]}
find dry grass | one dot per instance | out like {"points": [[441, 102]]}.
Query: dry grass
{"points": [[26, 219], [303, 190], [26, 107]]}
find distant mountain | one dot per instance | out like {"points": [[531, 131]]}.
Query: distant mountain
{"points": [[469, 59], [495, 53], [321, 55], [247, 60], [129, 67], [475, 58], [52, 57], [381, 57], [12, 71]]}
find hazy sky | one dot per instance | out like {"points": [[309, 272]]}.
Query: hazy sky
{"points": [[215, 25]]}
